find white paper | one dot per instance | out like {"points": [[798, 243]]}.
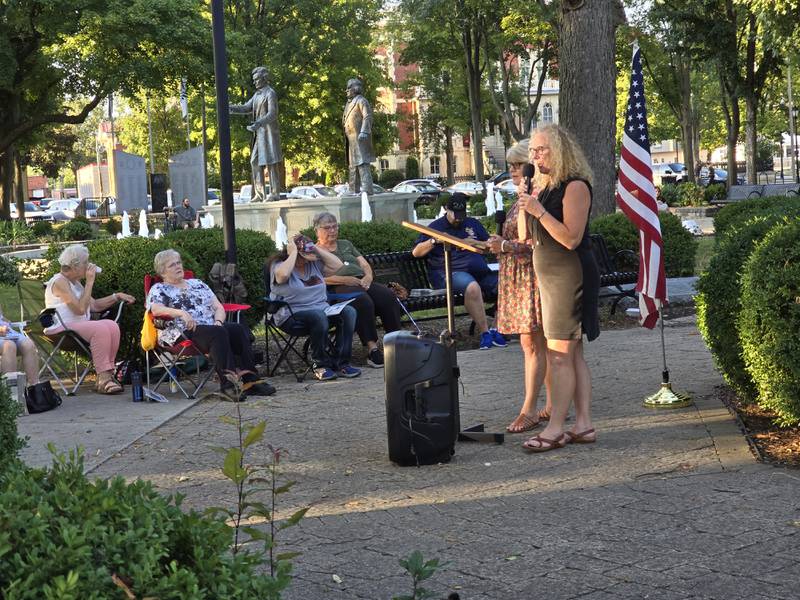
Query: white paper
{"points": [[154, 396], [335, 309]]}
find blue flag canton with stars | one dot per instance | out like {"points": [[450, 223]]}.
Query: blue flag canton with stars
{"points": [[636, 115]]}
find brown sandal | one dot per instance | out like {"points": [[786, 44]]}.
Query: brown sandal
{"points": [[582, 437], [544, 444], [109, 386], [543, 415], [522, 424]]}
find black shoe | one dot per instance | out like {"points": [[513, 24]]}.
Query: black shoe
{"points": [[375, 358], [261, 389]]}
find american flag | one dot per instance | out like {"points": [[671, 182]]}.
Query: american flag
{"points": [[636, 197], [184, 100]]}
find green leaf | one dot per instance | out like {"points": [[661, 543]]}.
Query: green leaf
{"points": [[255, 434]]}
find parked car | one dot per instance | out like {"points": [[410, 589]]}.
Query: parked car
{"points": [[212, 196], [343, 189], [470, 188], [63, 210], [498, 178], [32, 213], [668, 173], [312, 191], [429, 181], [427, 193], [720, 176], [506, 186]]}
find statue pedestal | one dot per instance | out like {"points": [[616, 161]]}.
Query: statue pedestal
{"points": [[299, 213]]}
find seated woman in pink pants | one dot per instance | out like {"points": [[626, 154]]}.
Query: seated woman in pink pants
{"points": [[74, 302]]}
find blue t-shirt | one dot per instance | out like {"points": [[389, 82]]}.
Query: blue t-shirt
{"points": [[460, 260]]}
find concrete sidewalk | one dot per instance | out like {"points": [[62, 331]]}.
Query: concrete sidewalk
{"points": [[667, 504]]}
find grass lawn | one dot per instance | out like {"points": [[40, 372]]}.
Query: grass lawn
{"points": [[705, 250]]}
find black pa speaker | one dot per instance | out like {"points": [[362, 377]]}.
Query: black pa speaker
{"points": [[158, 192], [421, 377]]}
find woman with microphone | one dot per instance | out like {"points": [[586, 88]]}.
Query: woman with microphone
{"points": [[518, 308], [569, 279]]}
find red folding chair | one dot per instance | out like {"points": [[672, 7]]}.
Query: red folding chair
{"points": [[173, 357]]}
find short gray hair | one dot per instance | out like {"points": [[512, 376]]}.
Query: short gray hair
{"points": [[518, 153], [322, 218], [162, 258], [74, 256]]}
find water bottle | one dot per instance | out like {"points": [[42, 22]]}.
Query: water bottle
{"points": [[136, 386], [173, 383]]}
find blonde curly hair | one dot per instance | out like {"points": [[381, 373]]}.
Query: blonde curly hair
{"points": [[566, 157]]}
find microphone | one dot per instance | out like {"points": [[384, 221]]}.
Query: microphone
{"points": [[528, 172], [500, 219]]}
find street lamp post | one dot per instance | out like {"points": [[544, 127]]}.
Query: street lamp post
{"points": [[793, 125], [781, 145]]}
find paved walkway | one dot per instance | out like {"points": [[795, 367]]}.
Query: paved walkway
{"points": [[667, 504]]}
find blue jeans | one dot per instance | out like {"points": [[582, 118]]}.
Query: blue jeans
{"points": [[317, 323], [461, 279]]}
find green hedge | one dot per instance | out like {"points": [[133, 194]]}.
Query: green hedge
{"points": [[374, 237], [390, 178], [680, 246], [719, 301], [770, 321], [739, 212], [10, 442], [64, 536]]}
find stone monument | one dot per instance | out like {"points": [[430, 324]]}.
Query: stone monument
{"points": [[265, 149]]}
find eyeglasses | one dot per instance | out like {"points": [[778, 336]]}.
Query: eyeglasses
{"points": [[515, 165], [331, 227], [539, 150]]}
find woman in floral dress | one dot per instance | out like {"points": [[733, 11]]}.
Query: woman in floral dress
{"points": [[518, 308]]}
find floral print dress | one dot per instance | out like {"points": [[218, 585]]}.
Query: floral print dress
{"points": [[196, 299], [518, 306]]}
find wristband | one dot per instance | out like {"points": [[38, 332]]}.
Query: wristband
{"points": [[541, 214], [503, 245], [217, 321]]}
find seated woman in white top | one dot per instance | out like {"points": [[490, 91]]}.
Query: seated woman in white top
{"points": [[13, 342], [74, 302]]}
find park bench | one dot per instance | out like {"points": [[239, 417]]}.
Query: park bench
{"points": [[412, 273]]}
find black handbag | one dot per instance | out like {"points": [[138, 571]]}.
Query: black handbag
{"points": [[41, 397]]}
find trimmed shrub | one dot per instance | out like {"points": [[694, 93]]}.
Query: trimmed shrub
{"points": [[374, 237], [206, 246], [390, 178], [9, 274], [670, 194], [65, 536], [10, 442], [476, 205], [691, 194], [715, 191], [113, 226], [769, 322], [412, 168], [719, 301], [75, 230], [742, 211], [42, 229], [680, 246]]}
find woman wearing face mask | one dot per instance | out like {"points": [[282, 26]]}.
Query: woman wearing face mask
{"points": [[569, 279]]}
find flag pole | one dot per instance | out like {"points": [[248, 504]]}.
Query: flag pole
{"points": [[665, 397]]}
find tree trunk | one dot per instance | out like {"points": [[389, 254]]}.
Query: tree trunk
{"points": [[472, 55], [750, 136], [22, 186], [587, 94], [687, 130], [732, 139], [448, 152], [7, 172]]}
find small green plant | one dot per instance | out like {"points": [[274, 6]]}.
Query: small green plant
{"points": [[715, 191], [670, 194], [10, 442], [9, 274], [419, 569], [113, 226], [246, 478], [691, 194], [390, 178], [13, 233]]}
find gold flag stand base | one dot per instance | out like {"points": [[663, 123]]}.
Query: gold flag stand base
{"points": [[666, 398]]}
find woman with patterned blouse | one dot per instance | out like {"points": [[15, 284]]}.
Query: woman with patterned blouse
{"points": [[518, 308], [196, 314]]}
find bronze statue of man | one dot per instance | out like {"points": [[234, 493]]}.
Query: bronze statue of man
{"points": [[265, 149], [357, 123]]}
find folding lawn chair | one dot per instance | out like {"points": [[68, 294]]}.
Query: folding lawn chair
{"points": [[52, 345], [173, 358]]}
